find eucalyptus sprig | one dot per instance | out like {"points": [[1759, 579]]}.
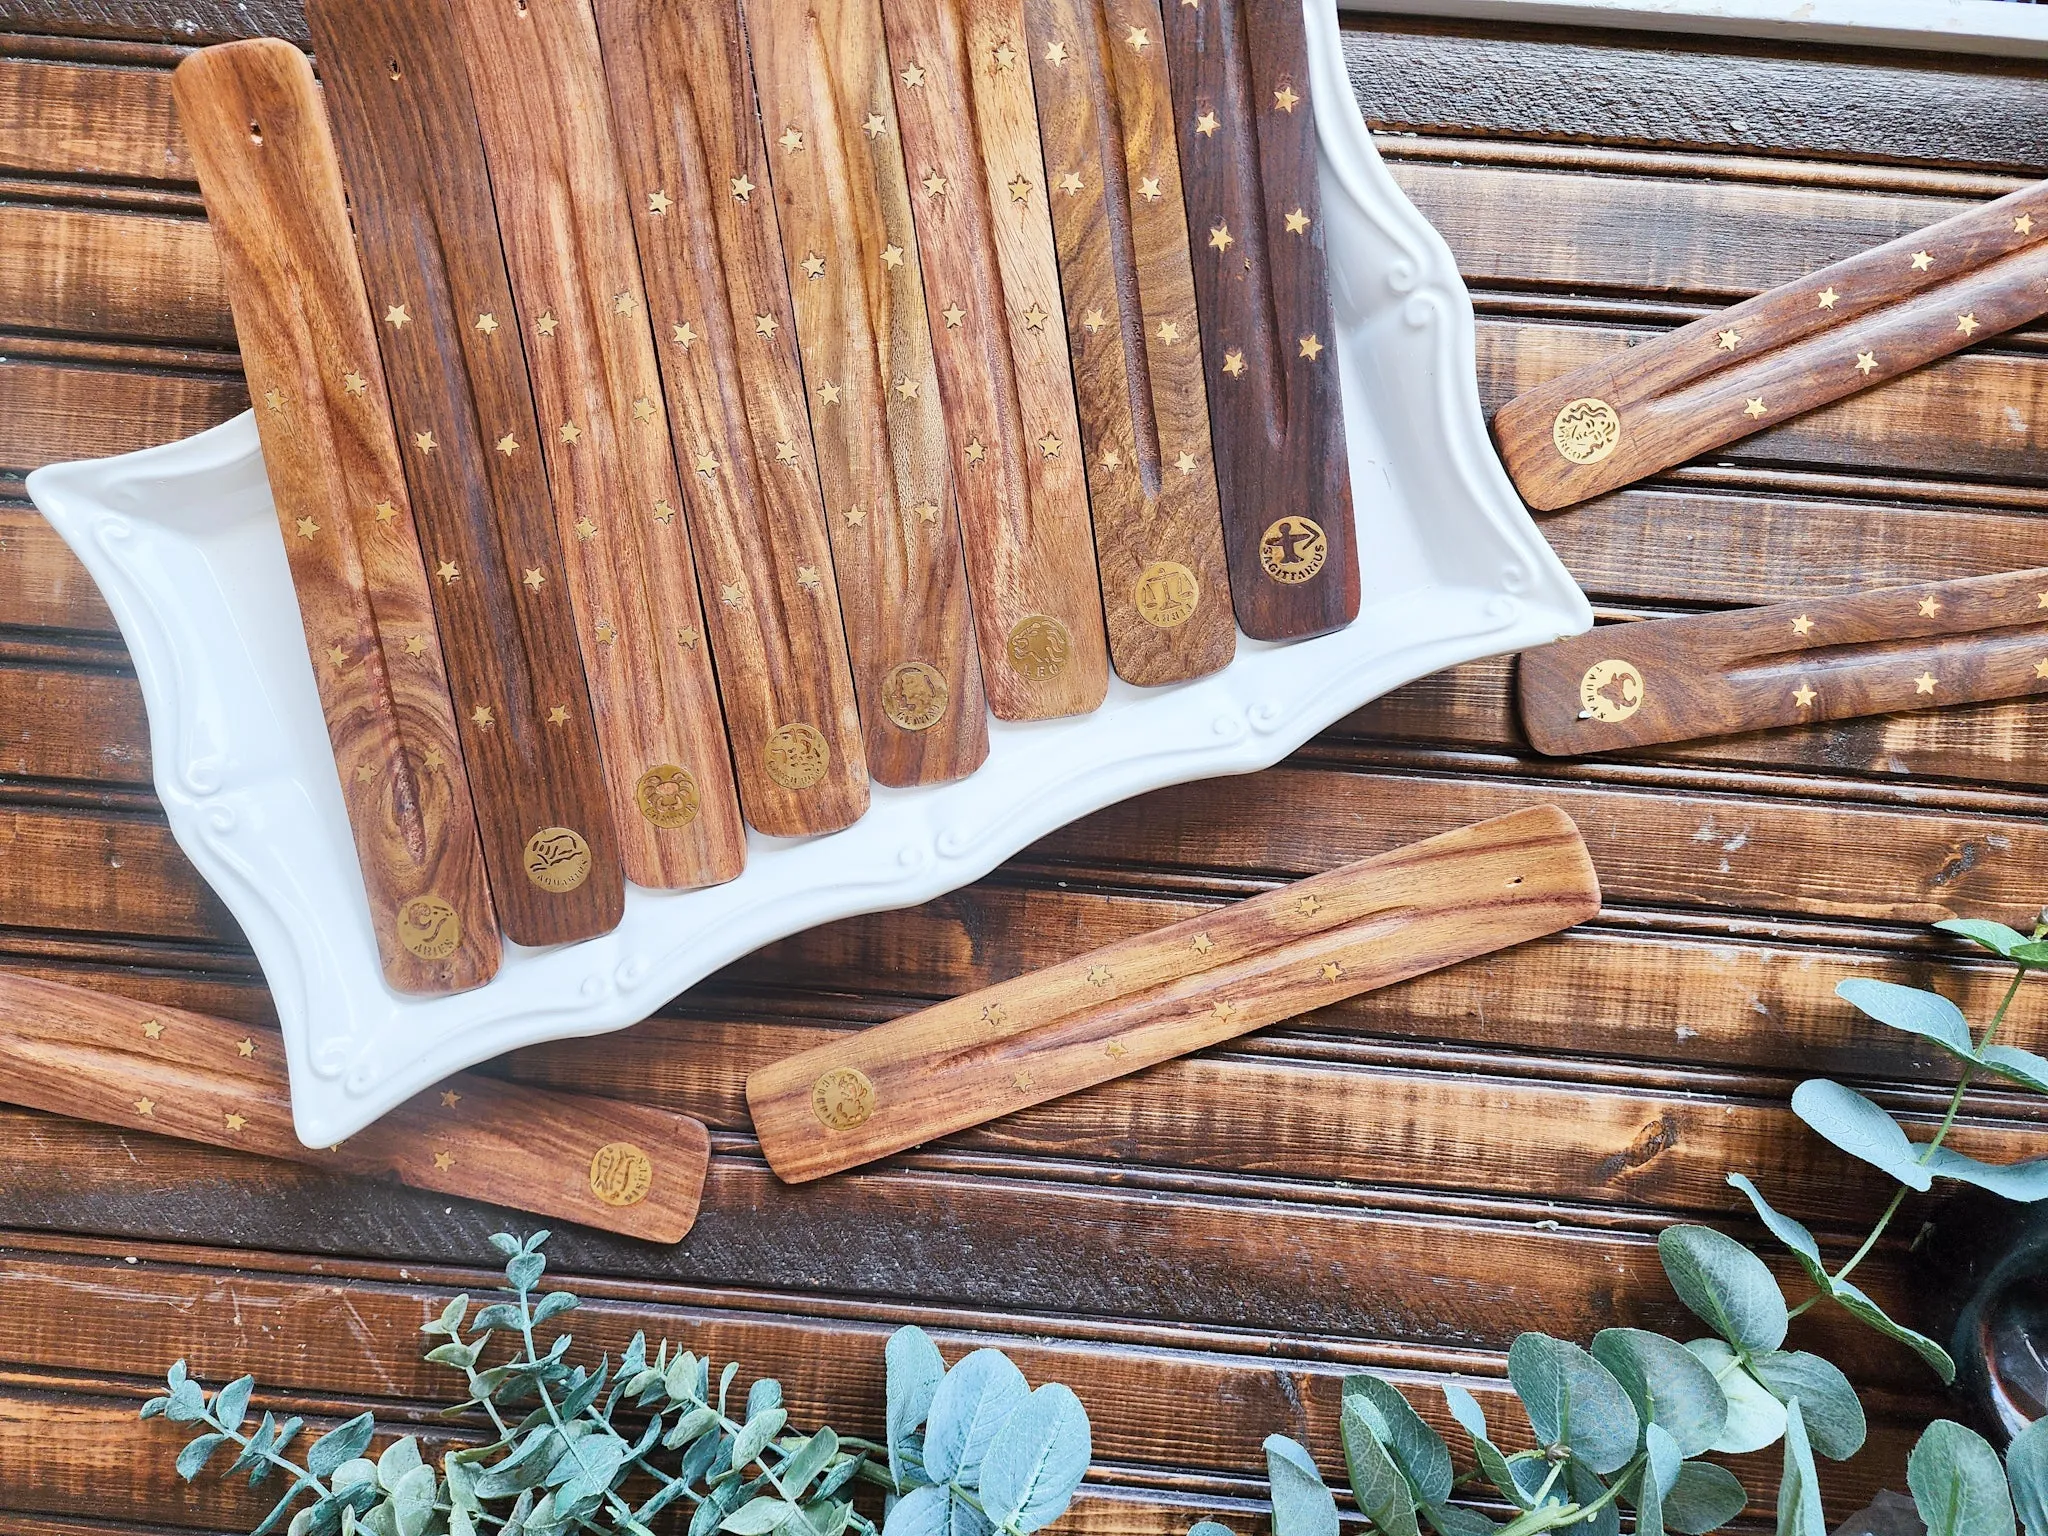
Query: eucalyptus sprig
{"points": [[607, 1450]]}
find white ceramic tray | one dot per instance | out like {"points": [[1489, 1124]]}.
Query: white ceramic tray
{"points": [[184, 543]]}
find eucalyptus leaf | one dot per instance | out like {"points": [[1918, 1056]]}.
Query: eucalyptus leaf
{"points": [[915, 1369], [1793, 1234], [1726, 1286], [1418, 1450], [1926, 1014], [553, 1305], [1672, 1390], [977, 1396], [2023, 1183], [192, 1459], [1833, 1416], [1755, 1418], [732, 1369], [1472, 1418], [757, 1517], [933, 1511], [1705, 1498], [2022, 1067], [1958, 1485], [344, 1442], [754, 1436], [1302, 1503], [231, 1402], [806, 1462], [187, 1404], [1650, 1489], [1662, 1459], [1210, 1528], [1799, 1506], [1862, 1307], [1858, 1127], [2026, 1464], [525, 1270], [1450, 1520], [399, 1458], [1574, 1400], [412, 1502], [764, 1394], [1035, 1463], [360, 1473], [1996, 937], [1585, 1490], [1383, 1493]]}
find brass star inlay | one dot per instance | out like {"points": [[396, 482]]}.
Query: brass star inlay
{"points": [[742, 188], [927, 511], [1285, 98], [1803, 696], [483, 715], [1929, 607], [707, 464], [424, 441], [1220, 237], [1925, 682], [2023, 225], [913, 77], [1754, 408], [487, 323], [546, 324], [1148, 189], [245, 1047], [1802, 625], [1207, 124], [684, 335], [1311, 347], [235, 1121], [307, 527], [855, 516], [450, 1098], [1056, 54], [586, 530], [1035, 318], [146, 1107], [875, 126], [1093, 321], [792, 139], [1729, 340], [274, 399], [337, 656], [892, 256], [807, 578], [687, 637], [449, 572], [907, 387], [508, 445], [1004, 55], [1233, 362], [1139, 39], [434, 758], [659, 202], [785, 453], [828, 393], [976, 452], [354, 382], [559, 715], [765, 326], [152, 1029], [397, 318], [1050, 446], [1866, 363], [1332, 970], [1071, 183], [1020, 189], [444, 1161], [1185, 463], [2041, 667], [535, 578], [992, 1013], [953, 315], [606, 631], [1966, 322], [384, 511], [814, 266], [1922, 261], [1098, 976], [570, 432], [1113, 458], [935, 184], [1224, 1010], [729, 593], [623, 303], [1298, 222], [1201, 943], [415, 645], [1827, 296], [1168, 332], [1308, 906], [643, 409]]}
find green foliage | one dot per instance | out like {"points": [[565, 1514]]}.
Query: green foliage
{"points": [[1624, 1424], [605, 1450]]}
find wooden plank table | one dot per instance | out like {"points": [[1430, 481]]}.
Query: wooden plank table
{"points": [[1402, 1182]]}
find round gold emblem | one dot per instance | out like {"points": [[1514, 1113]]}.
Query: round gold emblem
{"points": [[1293, 550], [557, 859], [1166, 594], [1586, 430], [914, 695], [429, 927], [1612, 690], [1039, 647], [843, 1098], [797, 756], [667, 796], [620, 1173]]}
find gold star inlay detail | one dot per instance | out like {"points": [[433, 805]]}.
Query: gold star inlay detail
{"points": [[397, 318], [2041, 667], [415, 645], [855, 516], [1802, 625], [913, 77], [765, 326], [1827, 296], [623, 303], [1967, 322], [1148, 189], [586, 530], [828, 393], [434, 758], [1308, 906], [1206, 125], [1922, 261], [559, 715], [1803, 696], [1093, 321], [1220, 238], [1050, 446], [1925, 682], [1113, 458], [570, 432], [1056, 54], [546, 324], [274, 399], [1185, 463], [487, 323], [976, 452], [307, 527], [1298, 222], [606, 631], [892, 256], [687, 637], [807, 578], [907, 387], [449, 572], [1233, 362], [1035, 318], [354, 382], [814, 266], [1116, 1050], [684, 335], [2023, 225], [1201, 944], [1071, 183], [792, 139], [643, 410], [1020, 189], [384, 511], [1929, 607], [152, 1029], [1332, 970], [337, 656], [1098, 976], [729, 593], [1729, 340], [1224, 1010], [1285, 98], [1004, 55], [146, 1107], [1139, 39], [953, 315], [535, 578], [508, 445], [450, 1098], [707, 464], [235, 1121], [1311, 347], [935, 184], [424, 441], [659, 202], [1754, 408], [785, 453], [444, 1161], [992, 1013], [742, 188], [484, 715], [875, 126], [1168, 332], [245, 1047], [1866, 362]]}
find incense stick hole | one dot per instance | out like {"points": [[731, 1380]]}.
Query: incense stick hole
{"points": [[392, 66], [1516, 881], [255, 131]]}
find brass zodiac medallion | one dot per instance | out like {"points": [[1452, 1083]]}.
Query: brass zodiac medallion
{"points": [[429, 927], [1166, 594], [667, 796], [1611, 691], [914, 695], [1586, 430], [557, 859], [1039, 647], [1293, 550], [796, 755], [843, 1098], [620, 1173]]}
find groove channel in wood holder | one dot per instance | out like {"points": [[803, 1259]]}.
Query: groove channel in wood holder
{"points": [[456, 369], [1106, 119], [1186, 987], [836, 162], [539, 90], [1846, 328], [273, 190], [704, 216], [992, 293], [1915, 647], [1248, 160]]}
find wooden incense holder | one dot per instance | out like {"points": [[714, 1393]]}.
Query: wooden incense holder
{"points": [[883, 462], [93, 1056], [1181, 989], [1248, 158], [274, 196], [992, 292], [1917, 647], [428, 239], [691, 149], [1844, 329], [539, 91], [1106, 118]]}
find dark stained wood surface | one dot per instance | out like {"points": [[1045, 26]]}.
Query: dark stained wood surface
{"points": [[1400, 1181]]}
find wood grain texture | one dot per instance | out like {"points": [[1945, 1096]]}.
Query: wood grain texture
{"points": [[456, 371], [80, 120], [1248, 162], [620, 1167], [274, 193], [884, 462], [538, 85], [970, 135], [690, 141], [1106, 119], [1130, 1006], [54, 266], [1914, 647], [1814, 340]]}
